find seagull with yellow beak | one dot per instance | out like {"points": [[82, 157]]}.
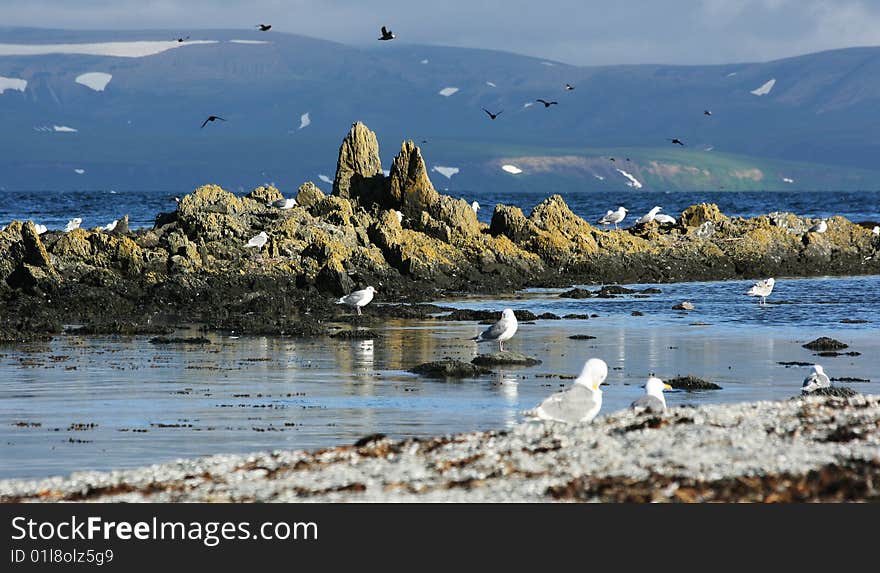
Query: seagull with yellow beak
{"points": [[653, 401], [581, 402]]}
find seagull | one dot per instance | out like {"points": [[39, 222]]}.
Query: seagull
{"points": [[649, 216], [664, 219], [387, 34], [475, 206], [707, 112], [399, 215], [819, 227], [284, 204], [358, 298], [264, 27], [258, 241], [611, 159], [613, 217], [816, 380], [581, 402], [492, 115], [547, 103], [676, 140], [762, 289], [502, 330], [653, 400], [110, 226], [212, 118], [568, 87], [73, 224], [876, 230], [40, 228], [182, 39]]}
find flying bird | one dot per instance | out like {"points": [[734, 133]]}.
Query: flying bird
{"points": [[258, 241], [612, 159], [653, 401], [677, 141], [613, 217], [581, 402], [706, 112], [762, 289], [568, 87], [212, 118], [358, 298], [182, 39], [502, 330], [816, 380], [547, 103], [264, 27], [387, 34], [493, 115]]}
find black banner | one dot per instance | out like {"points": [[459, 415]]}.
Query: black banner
{"points": [[231, 537]]}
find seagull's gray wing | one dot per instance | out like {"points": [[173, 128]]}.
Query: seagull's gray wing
{"points": [[496, 330], [569, 405], [648, 403]]}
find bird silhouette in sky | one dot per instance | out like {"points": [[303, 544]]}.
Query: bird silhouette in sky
{"points": [[182, 39], [707, 112], [212, 118], [676, 141], [492, 115], [264, 27], [568, 87], [387, 34], [547, 103]]}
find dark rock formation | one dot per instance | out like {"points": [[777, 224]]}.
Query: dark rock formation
{"points": [[505, 359], [450, 368], [692, 383], [825, 343]]}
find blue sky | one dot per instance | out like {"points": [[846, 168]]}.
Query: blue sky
{"points": [[577, 32]]}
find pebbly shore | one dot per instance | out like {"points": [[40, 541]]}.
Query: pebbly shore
{"points": [[802, 449]]}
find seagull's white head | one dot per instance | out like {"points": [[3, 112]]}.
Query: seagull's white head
{"points": [[594, 373], [771, 281], [655, 386], [475, 206], [507, 314], [371, 289], [656, 210], [817, 368]]}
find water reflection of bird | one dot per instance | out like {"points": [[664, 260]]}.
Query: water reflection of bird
{"points": [[581, 402]]}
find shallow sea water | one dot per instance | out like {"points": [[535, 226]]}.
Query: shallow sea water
{"points": [[152, 403]]}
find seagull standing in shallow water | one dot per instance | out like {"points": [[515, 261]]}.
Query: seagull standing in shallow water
{"points": [[502, 330], [816, 380], [358, 298], [653, 401], [581, 402], [762, 289]]}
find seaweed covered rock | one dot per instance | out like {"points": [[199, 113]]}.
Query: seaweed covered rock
{"points": [[697, 215], [265, 194], [449, 368], [505, 359], [691, 383], [825, 343], [308, 195]]}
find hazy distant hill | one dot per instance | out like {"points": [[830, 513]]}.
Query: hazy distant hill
{"points": [[817, 126]]}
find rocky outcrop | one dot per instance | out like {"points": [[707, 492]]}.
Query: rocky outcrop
{"points": [[397, 234], [359, 175]]}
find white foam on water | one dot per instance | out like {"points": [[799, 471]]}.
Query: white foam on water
{"points": [[511, 169], [447, 172], [115, 49], [94, 80], [253, 42], [17, 84], [764, 89], [446, 92]]}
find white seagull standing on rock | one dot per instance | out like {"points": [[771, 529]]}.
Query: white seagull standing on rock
{"points": [[502, 330], [649, 216], [284, 204], [762, 289], [40, 228], [581, 402], [875, 231], [358, 298], [258, 241], [816, 380], [665, 219], [819, 227], [475, 206], [73, 224], [614, 217], [653, 401]]}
